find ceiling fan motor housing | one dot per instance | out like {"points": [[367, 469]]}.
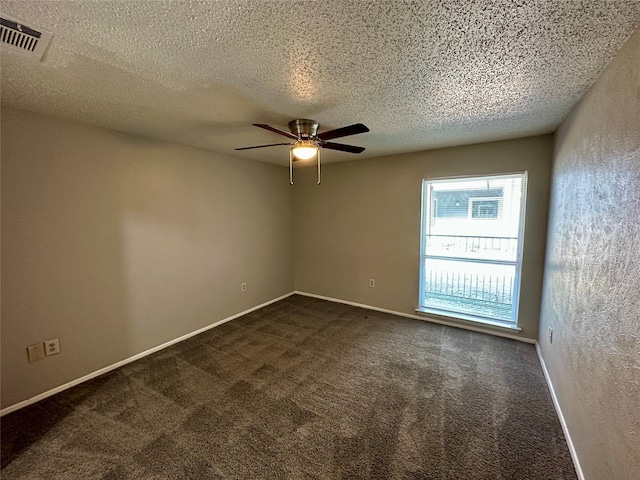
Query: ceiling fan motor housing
{"points": [[303, 127]]}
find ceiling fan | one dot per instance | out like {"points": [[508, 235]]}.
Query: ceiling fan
{"points": [[308, 142]]}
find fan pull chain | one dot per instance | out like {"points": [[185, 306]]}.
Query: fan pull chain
{"points": [[291, 166]]}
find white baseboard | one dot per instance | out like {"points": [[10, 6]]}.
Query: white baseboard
{"points": [[565, 429], [424, 318], [73, 383]]}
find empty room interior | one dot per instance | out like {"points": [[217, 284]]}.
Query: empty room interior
{"points": [[339, 239]]}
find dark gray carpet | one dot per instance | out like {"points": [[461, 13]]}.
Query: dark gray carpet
{"points": [[303, 388]]}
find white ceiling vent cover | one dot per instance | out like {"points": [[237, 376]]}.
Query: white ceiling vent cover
{"points": [[16, 37]]}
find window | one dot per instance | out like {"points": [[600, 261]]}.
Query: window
{"points": [[471, 247], [484, 208]]}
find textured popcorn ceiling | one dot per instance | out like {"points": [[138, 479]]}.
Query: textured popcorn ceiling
{"points": [[419, 74]]}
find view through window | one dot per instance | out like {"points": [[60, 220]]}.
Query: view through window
{"points": [[471, 247]]}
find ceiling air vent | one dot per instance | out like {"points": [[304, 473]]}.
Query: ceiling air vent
{"points": [[16, 37]]}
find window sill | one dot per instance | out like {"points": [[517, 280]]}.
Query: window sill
{"points": [[469, 320]]}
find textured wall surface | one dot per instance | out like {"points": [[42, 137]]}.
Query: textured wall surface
{"points": [[116, 244], [420, 74], [363, 222], [592, 274]]}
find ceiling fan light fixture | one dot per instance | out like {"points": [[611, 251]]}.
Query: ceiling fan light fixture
{"points": [[309, 142], [304, 149]]}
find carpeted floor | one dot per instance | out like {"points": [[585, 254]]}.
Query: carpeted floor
{"points": [[303, 388]]}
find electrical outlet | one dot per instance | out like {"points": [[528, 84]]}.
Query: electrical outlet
{"points": [[35, 352], [52, 347], [550, 334], [372, 282], [243, 287]]}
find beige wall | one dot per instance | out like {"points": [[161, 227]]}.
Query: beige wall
{"points": [[363, 222], [592, 280], [116, 244]]}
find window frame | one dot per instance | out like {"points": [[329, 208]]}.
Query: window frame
{"points": [[426, 210]]}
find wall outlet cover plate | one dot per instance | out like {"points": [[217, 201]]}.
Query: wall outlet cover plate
{"points": [[52, 347]]}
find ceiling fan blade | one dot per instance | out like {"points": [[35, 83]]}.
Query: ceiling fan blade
{"points": [[342, 147], [344, 131], [262, 146], [275, 130]]}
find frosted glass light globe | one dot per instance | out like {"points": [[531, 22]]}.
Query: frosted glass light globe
{"points": [[304, 152]]}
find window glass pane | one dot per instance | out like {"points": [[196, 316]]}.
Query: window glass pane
{"points": [[477, 289]]}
